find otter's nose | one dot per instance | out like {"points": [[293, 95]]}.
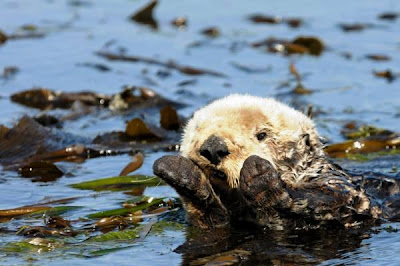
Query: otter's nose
{"points": [[214, 149]]}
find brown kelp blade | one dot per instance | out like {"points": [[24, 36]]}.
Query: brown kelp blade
{"points": [[28, 138], [169, 118], [138, 129], [189, 70], [36, 210], [362, 146], [22, 210], [145, 15], [137, 162], [43, 98]]}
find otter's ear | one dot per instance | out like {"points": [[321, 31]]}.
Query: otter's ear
{"points": [[306, 142]]}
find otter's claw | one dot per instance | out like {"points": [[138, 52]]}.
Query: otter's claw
{"points": [[260, 183]]}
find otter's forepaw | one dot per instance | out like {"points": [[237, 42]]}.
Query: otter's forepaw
{"points": [[260, 183], [179, 172], [203, 205]]}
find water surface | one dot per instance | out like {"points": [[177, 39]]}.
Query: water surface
{"points": [[346, 90]]}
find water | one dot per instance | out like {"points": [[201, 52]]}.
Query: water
{"points": [[75, 30]]}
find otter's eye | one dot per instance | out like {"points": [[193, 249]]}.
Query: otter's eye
{"points": [[261, 136]]}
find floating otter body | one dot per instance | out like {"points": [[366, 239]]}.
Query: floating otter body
{"points": [[254, 159]]}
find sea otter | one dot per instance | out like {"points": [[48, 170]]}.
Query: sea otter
{"points": [[252, 159]]}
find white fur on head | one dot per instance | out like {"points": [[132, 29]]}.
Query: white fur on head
{"points": [[237, 119]]}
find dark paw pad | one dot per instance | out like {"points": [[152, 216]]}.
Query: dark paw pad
{"points": [[189, 181], [259, 180], [178, 171]]}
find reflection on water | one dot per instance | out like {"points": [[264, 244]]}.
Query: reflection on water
{"points": [[326, 247], [275, 247]]}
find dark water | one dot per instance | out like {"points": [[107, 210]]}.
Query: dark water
{"points": [[346, 90]]}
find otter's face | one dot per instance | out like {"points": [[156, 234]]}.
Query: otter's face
{"points": [[222, 135]]}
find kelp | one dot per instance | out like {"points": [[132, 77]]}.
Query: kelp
{"points": [[340, 150], [35, 211], [370, 156], [189, 70], [251, 69], [139, 130], [145, 135], [299, 88], [180, 22], [145, 15], [43, 232], [3, 37], [125, 211], [32, 245], [378, 57], [135, 201], [119, 140], [47, 238], [129, 235], [365, 143], [54, 211], [96, 66], [43, 98], [388, 74], [300, 45], [352, 132], [211, 32], [110, 223], [265, 19], [124, 235], [314, 45], [390, 16], [55, 201], [8, 71], [110, 242], [258, 18], [106, 251], [48, 120], [57, 222], [28, 138], [75, 153], [32, 149], [169, 118], [130, 97], [17, 36], [136, 163], [352, 27], [162, 225], [41, 170], [231, 257], [139, 97], [22, 210], [118, 183]]}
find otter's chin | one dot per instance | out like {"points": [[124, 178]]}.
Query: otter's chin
{"points": [[218, 178], [226, 174], [218, 174], [222, 177], [221, 184]]}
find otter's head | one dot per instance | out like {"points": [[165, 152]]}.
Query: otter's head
{"points": [[222, 135]]}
